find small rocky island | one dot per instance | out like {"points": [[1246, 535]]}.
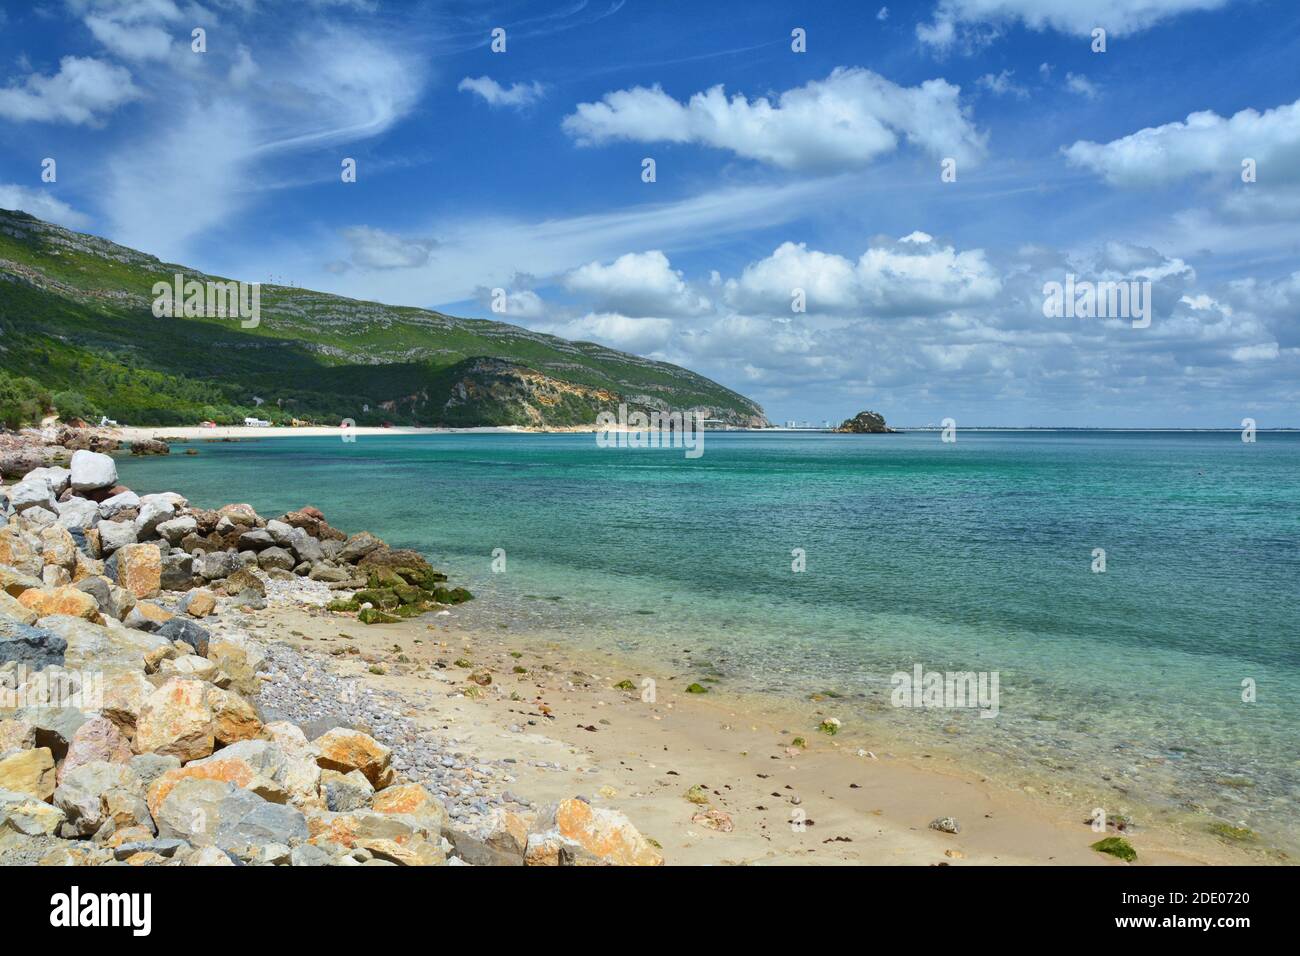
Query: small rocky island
{"points": [[865, 423]]}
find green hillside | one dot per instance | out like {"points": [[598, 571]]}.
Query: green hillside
{"points": [[76, 318]]}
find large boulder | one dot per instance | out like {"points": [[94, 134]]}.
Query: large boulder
{"points": [[174, 530], [139, 569], [276, 557], [398, 839], [67, 599], [18, 554], [59, 548], [28, 771], [412, 800], [152, 514], [574, 833], [217, 564], [358, 546], [27, 815], [177, 571], [92, 471], [176, 721], [57, 477], [97, 739], [101, 647], [114, 505], [13, 610], [14, 582], [346, 750], [218, 813], [32, 493], [31, 646], [114, 535], [78, 513], [233, 718], [184, 629], [307, 548], [85, 792]]}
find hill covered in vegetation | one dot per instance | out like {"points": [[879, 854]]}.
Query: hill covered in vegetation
{"points": [[77, 331]]}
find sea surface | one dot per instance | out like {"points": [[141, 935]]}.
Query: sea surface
{"points": [[1121, 687]]}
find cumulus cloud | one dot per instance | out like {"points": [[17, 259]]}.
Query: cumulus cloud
{"points": [[637, 285], [642, 336], [1205, 143], [914, 276], [517, 96], [39, 203], [955, 19], [81, 92], [843, 122], [377, 249]]}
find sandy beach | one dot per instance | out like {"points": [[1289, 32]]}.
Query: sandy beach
{"points": [[222, 432], [571, 731]]}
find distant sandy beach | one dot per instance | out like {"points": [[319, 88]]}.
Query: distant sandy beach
{"points": [[195, 433]]}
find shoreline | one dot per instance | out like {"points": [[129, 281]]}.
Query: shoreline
{"points": [[573, 732], [642, 759]]}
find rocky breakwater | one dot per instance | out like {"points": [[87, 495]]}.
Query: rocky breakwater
{"points": [[132, 725]]}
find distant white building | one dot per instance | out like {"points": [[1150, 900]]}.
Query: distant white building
{"points": [[256, 423]]}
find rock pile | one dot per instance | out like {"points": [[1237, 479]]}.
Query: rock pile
{"points": [[131, 733]]}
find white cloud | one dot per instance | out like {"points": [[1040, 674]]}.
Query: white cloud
{"points": [[642, 336], [1205, 143], [953, 18], [39, 203], [1003, 84], [914, 276], [637, 285], [1081, 85], [131, 42], [377, 249], [82, 90], [843, 122], [517, 96]]}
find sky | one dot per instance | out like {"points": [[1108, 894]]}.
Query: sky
{"points": [[854, 205]]}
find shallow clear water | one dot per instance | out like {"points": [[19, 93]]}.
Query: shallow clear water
{"points": [[973, 556]]}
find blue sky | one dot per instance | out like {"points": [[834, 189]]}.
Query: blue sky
{"points": [[775, 170]]}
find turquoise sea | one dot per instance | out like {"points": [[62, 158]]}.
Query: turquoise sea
{"points": [[1123, 687]]}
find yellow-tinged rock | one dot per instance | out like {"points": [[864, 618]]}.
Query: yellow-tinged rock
{"points": [[412, 800], [176, 720], [574, 833], [234, 718], [228, 769], [63, 600], [12, 608], [399, 839], [17, 553], [30, 772], [86, 568], [344, 750], [139, 569], [200, 603], [16, 734], [152, 612], [58, 548], [124, 695]]}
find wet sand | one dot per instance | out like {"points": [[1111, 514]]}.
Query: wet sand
{"points": [[572, 732]]}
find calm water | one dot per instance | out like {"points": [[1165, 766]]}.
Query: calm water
{"points": [[1123, 686]]}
